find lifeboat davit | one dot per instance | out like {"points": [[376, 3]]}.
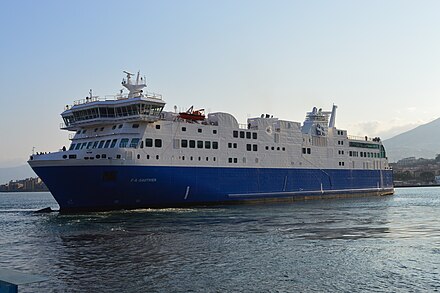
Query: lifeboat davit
{"points": [[191, 114]]}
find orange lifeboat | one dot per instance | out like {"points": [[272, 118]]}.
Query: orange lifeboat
{"points": [[194, 115]]}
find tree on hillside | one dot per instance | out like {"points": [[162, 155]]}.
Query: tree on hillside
{"points": [[427, 177]]}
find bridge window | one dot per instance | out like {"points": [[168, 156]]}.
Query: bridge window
{"points": [[184, 143], [123, 143], [113, 143], [95, 144], [72, 146], [148, 142], [158, 143], [101, 144], [107, 144], [78, 146], [134, 142]]}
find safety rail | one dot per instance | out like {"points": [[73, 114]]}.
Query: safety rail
{"points": [[363, 138], [113, 98]]}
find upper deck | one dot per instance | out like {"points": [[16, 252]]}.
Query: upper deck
{"points": [[137, 105]]}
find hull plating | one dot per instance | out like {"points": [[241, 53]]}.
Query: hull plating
{"points": [[118, 187]]}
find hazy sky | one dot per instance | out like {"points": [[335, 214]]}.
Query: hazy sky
{"points": [[379, 61]]}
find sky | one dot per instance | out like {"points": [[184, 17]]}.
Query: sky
{"points": [[379, 61]]}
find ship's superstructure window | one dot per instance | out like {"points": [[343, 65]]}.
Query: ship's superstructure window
{"points": [[135, 125], [89, 145], [251, 147], [214, 131], [306, 151], [183, 128], [235, 133], [207, 144], [78, 146], [199, 130], [113, 144], [148, 142], [157, 126], [341, 164], [158, 143], [107, 144], [200, 144], [120, 126], [114, 127], [184, 143], [215, 145], [72, 146], [123, 143], [254, 135], [134, 142], [241, 134], [101, 144], [248, 135], [192, 144], [95, 144]]}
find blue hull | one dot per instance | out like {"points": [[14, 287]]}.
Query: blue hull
{"points": [[119, 187]]}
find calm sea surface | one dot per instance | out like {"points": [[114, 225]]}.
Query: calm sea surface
{"points": [[376, 244]]}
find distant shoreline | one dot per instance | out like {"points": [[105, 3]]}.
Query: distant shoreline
{"points": [[21, 191], [416, 185]]}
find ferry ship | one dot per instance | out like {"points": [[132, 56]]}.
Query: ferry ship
{"points": [[127, 152]]}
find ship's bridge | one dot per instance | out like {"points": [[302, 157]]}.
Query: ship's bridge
{"points": [[134, 106]]}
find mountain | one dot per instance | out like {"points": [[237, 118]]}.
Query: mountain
{"points": [[420, 142], [15, 173]]}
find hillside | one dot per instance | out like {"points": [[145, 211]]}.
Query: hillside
{"points": [[420, 142]]}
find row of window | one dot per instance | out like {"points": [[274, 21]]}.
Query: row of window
{"points": [[363, 154], [341, 163], [94, 144], [184, 143], [340, 142], [199, 130], [244, 134], [340, 132], [277, 148], [340, 152]]}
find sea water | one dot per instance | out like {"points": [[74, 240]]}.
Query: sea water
{"points": [[373, 244]]}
